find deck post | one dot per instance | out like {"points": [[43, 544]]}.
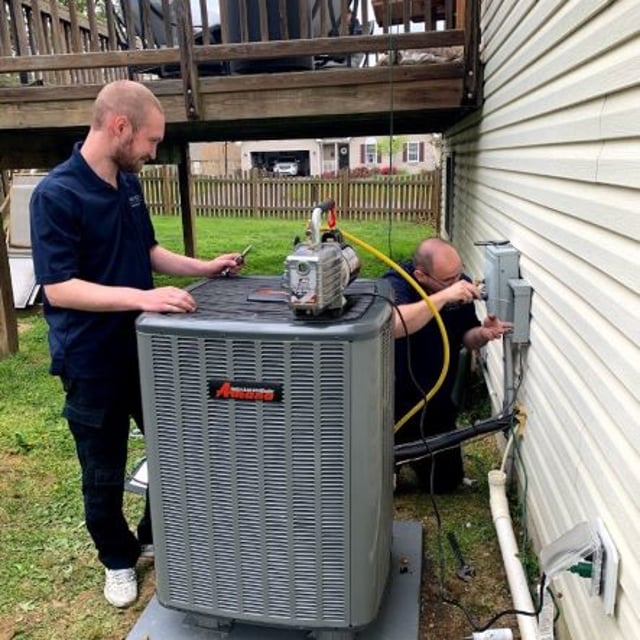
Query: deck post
{"points": [[188, 68], [186, 210], [8, 320]]}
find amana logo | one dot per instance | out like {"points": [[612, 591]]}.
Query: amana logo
{"points": [[245, 390]]}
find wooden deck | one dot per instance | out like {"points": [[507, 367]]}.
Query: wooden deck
{"points": [[53, 62]]}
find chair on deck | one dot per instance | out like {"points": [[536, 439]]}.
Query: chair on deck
{"points": [[354, 28], [155, 36], [152, 33]]}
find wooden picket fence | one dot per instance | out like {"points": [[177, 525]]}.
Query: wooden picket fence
{"points": [[256, 194]]}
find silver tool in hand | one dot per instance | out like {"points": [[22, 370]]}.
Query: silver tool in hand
{"points": [[239, 259]]}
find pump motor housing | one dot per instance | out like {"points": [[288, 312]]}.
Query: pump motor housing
{"points": [[317, 275]]}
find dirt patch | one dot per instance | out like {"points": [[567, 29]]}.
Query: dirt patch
{"points": [[7, 630], [452, 608]]}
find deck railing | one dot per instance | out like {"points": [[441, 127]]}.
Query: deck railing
{"points": [[49, 28], [414, 198], [44, 41]]}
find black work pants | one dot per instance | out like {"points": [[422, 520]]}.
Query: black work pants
{"points": [[98, 413]]}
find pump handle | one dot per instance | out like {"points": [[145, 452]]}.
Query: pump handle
{"points": [[326, 205]]}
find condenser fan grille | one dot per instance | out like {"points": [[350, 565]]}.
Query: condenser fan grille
{"points": [[275, 509], [272, 541]]}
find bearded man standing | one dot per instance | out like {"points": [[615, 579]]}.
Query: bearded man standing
{"points": [[94, 252]]}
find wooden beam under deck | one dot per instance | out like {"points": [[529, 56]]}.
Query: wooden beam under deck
{"points": [[38, 124], [38, 130]]}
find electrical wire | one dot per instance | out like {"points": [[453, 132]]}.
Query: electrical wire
{"points": [[450, 439], [391, 123], [507, 612], [423, 404]]}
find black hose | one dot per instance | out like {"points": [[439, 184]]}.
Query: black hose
{"points": [[429, 446]]}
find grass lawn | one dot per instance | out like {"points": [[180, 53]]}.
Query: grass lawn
{"points": [[51, 581], [272, 240]]}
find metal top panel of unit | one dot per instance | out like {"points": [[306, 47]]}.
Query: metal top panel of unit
{"points": [[258, 304]]}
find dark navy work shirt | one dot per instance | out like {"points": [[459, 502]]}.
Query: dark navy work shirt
{"points": [[426, 352], [81, 227]]}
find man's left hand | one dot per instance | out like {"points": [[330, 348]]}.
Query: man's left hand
{"points": [[493, 327]]}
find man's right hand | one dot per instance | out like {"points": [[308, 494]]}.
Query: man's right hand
{"points": [[461, 292]]}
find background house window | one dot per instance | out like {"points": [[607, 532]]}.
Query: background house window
{"points": [[369, 152], [413, 152]]}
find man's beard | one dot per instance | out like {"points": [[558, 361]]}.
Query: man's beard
{"points": [[126, 162]]}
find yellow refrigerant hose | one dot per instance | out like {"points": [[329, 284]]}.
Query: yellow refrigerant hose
{"points": [[436, 315]]}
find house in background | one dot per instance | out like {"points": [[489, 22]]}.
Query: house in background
{"points": [[551, 163], [410, 153]]}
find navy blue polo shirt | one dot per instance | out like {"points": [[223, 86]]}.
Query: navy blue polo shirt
{"points": [[426, 353], [81, 227]]}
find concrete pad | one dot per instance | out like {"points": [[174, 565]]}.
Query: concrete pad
{"points": [[398, 618]]}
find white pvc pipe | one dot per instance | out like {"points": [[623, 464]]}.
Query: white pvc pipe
{"points": [[510, 554]]}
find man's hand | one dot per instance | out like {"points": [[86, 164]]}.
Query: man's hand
{"points": [[167, 300], [461, 292], [230, 263], [493, 327], [167, 262]]}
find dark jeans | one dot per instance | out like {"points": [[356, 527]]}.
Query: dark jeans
{"points": [[99, 412], [443, 472]]}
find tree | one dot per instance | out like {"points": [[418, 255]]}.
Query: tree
{"points": [[390, 146]]}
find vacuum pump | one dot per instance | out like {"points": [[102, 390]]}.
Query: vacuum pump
{"points": [[320, 269]]}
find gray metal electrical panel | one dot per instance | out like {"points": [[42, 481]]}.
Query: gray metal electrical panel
{"points": [[521, 295], [501, 265], [507, 295]]}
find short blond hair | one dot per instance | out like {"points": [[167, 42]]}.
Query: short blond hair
{"points": [[127, 98]]}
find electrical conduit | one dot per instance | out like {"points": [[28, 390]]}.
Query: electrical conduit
{"points": [[510, 555]]}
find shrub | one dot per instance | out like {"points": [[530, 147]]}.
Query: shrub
{"points": [[360, 172]]}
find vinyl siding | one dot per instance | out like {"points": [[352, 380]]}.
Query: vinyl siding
{"points": [[552, 163]]}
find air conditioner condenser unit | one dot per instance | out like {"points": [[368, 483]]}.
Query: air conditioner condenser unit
{"points": [[270, 452]]}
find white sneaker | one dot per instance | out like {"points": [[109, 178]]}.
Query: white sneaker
{"points": [[120, 587], [147, 551]]}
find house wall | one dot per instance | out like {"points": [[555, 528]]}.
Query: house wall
{"points": [[552, 163], [428, 159], [214, 158]]}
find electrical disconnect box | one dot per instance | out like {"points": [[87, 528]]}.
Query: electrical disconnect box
{"points": [[508, 295]]}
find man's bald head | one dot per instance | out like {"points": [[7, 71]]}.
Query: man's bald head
{"points": [[127, 98], [432, 251]]}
